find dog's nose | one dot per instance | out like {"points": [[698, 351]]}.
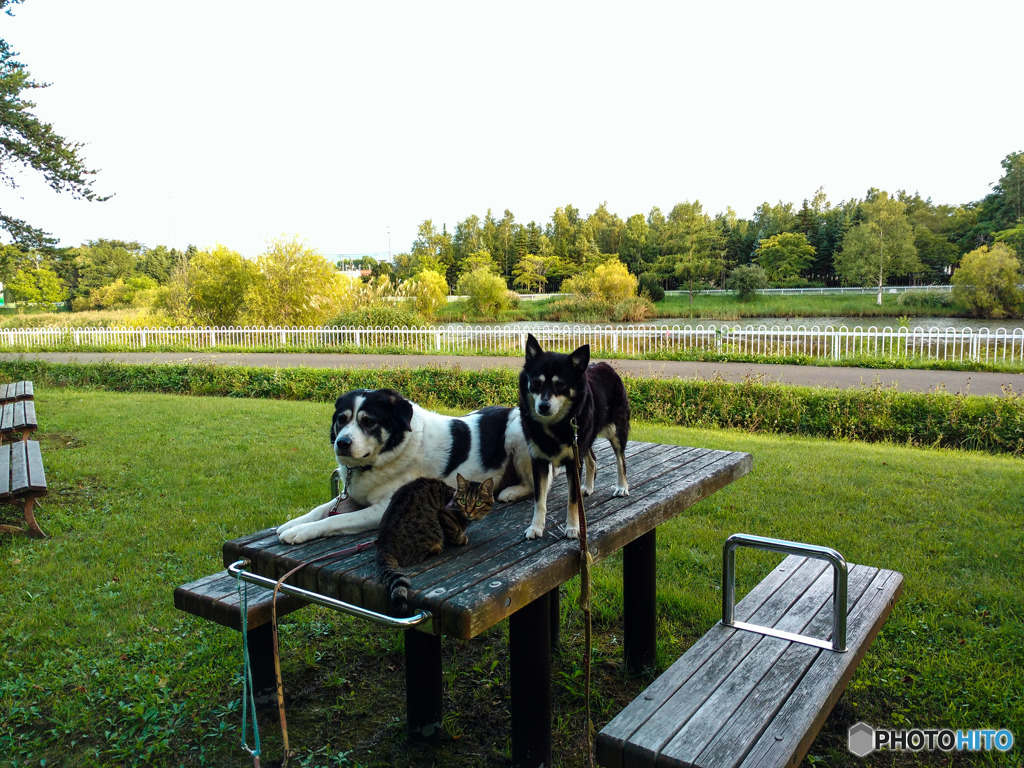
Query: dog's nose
{"points": [[343, 446], [543, 407]]}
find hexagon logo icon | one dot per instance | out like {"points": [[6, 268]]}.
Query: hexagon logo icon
{"points": [[861, 739]]}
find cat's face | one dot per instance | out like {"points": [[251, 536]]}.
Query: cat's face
{"points": [[474, 499]]}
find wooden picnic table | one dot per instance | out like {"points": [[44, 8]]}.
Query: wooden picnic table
{"points": [[500, 574]]}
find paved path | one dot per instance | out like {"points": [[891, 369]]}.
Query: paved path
{"points": [[956, 382]]}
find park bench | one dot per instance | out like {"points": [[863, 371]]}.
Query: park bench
{"points": [[756, 694], [22, 479]]}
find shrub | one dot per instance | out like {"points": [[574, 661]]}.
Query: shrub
{"points": [[613, 282], [650, 286], [486, 292], [987, 282], [581, 309], [633, 309], [380, 315], [747, 280], [427, 291], [924, 299]]}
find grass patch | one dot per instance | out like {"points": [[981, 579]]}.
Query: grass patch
{"points": [[98, 669]]}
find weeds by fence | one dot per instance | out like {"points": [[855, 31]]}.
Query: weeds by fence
{"points": [[995, 347]]}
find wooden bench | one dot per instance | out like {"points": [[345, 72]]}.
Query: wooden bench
{"points": [[216, 598], [22, 481], [738, 697], [17, 390], [18, 416]]}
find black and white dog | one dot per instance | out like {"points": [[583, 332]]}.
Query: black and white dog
{"points": [[383, 441], [561, 396]]}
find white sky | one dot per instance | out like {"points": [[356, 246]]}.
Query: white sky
{"points": [[234, 122]]}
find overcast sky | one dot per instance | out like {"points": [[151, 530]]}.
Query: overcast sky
{"points": [[234, 122]]}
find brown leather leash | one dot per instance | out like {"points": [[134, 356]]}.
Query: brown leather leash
{"points": [[273, 624], [586, 561]]}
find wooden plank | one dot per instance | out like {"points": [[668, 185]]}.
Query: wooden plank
{"points": [[36, 474], [6, 392], [7, 418], [19, 469], [5, 471], [29, 391], [25, 416], [216, 598]]}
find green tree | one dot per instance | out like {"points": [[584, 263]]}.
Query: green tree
{"points": [[633, 242], [785, 256], [529, 273], [37, 285], [987, 283], [1013, 238], [294, 285], [30, 143], [747, 280], [218, 281], [880, 246], [487, 293]]}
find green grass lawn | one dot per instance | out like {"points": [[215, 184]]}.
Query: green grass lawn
{"points": [[98, 669]]}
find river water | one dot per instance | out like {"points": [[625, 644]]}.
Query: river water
{"points": [[942, 323]]}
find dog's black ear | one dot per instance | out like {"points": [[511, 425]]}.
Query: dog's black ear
{"points": [[402, 410], [533, 350], [580, 358]]}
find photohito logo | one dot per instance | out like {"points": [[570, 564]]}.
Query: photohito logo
{"points": [[865, 739]]}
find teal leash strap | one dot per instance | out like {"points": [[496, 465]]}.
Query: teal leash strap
{"points": [[248, 695]]}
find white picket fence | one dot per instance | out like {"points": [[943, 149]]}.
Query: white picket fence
{"points": [[976, 345]]}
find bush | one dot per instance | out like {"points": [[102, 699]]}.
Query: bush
{"points": [[486, 293], [633, 310], [987, 282], [380, 315], [924, 299], [650, 286], [427, 291], [580, 309], [747, 280]]}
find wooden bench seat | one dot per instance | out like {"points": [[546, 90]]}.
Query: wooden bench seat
{"points": [[18, 416], [740, 698], [216, 598], [23, 480], [16, 390]]}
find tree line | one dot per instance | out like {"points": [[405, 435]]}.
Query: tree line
{"points": [[878, 239]]}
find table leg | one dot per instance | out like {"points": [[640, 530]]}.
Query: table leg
{"points": [[639, 593], [423, 689], [529, 634], [554, 596]]}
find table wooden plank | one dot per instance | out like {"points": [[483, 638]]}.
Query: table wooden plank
{"points": [[7, 418], [19, 469], [471, 588]]}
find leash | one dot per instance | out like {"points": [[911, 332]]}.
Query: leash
{"points": [[586, 560], [248, 694], [273, 624]]}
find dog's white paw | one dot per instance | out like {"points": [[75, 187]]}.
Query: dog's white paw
{"points": [[572, 533], [515, 493], [621, 490], [587, 490], [534, 531], [297, 534]]}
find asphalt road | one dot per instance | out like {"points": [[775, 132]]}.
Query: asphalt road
{"points": [[955, 382]]}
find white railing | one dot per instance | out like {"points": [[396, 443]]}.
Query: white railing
{"points": [[983, 345]]}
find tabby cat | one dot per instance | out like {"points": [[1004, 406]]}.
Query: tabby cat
{"points": [[422, 517]]}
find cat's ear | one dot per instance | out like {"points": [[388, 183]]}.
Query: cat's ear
{"points": [[487, 486], [463, 483]]}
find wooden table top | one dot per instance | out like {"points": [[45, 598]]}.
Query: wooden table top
{"points": [[474, 587]]}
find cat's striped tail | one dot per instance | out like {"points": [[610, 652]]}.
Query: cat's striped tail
{"points": [[396, 583]]}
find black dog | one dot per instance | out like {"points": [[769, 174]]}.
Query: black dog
{"points": [[562, 397]]}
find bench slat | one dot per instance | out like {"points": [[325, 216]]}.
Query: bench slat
{"points": [[36, 474], [19, 469], [215, 598], [5, 471], [7, 418]]}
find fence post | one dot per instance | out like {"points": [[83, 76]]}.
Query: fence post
{"points": [[437, 339]]}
